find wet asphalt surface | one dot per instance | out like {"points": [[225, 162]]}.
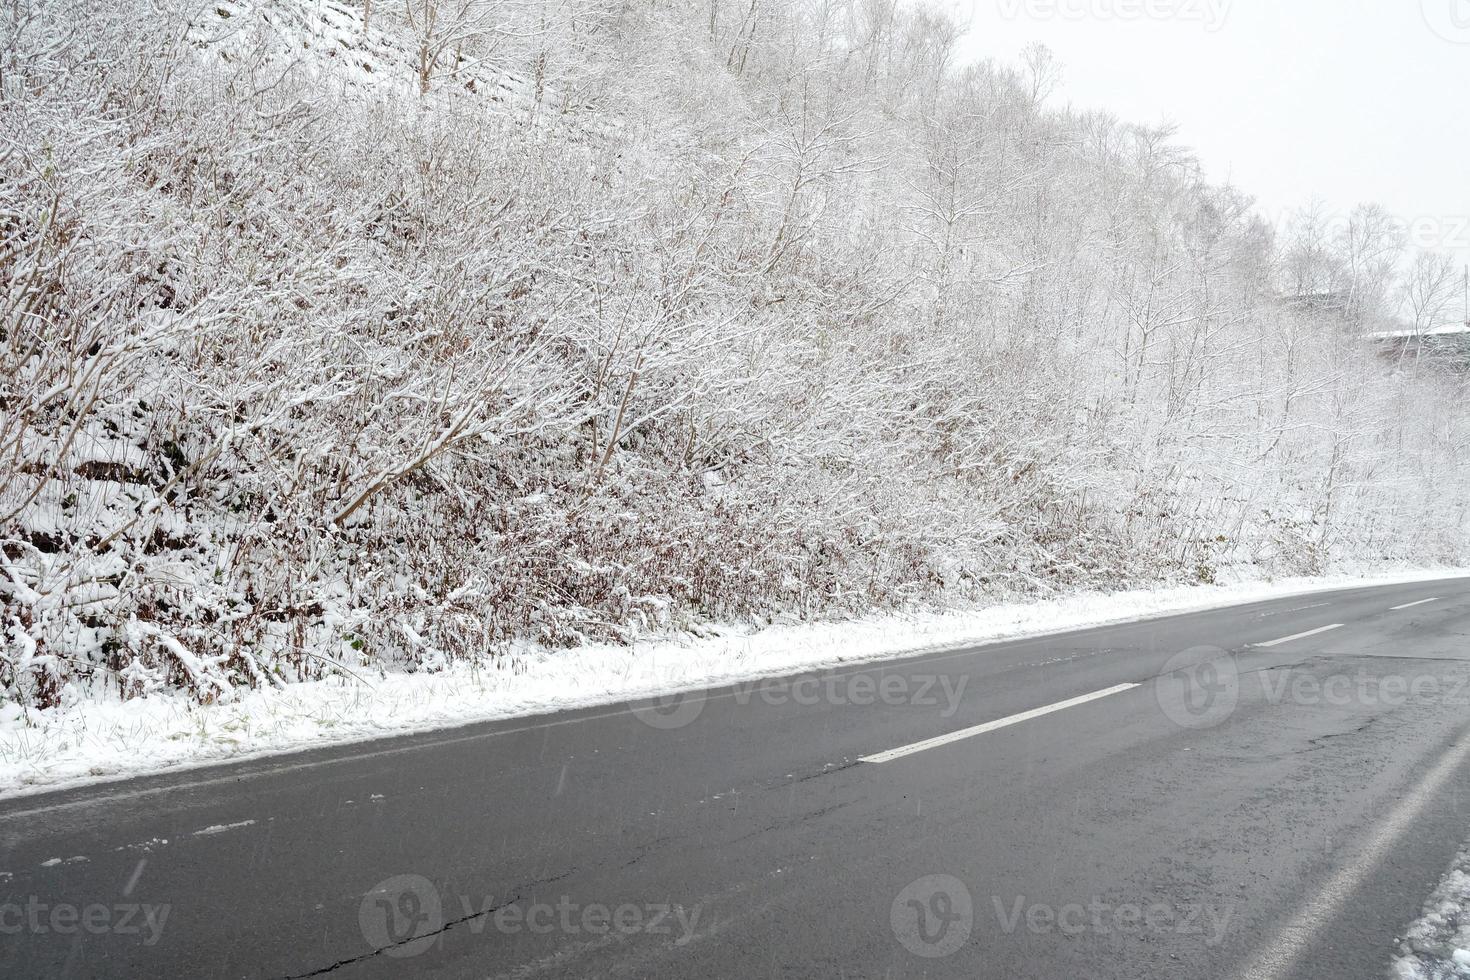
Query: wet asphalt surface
{"points": [[1243, 811]]}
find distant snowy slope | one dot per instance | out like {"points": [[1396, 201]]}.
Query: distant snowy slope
{"points": [[331, 41]]}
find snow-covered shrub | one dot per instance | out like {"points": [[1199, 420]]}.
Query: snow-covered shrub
{"points": [[322, 356]]}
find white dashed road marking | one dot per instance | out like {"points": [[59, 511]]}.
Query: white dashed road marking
{"points": [[1300, 636], [220, 828], [990, 726]]}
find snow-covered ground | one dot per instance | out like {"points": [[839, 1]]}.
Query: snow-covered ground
{"points": [[94, 738], [1437, 946]]}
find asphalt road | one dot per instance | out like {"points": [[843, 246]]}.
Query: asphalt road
{"points": [[1196, 803]]}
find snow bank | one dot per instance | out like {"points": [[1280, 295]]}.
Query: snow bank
{"points": [[93, 737], [1437, 946]]}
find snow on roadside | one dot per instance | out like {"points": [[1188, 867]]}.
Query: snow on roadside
{"points": [[88, 740], [1437, 946]]}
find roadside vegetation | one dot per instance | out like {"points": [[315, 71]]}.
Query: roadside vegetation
{"points": [[345, 338]]}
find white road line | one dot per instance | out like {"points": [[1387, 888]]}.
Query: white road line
{"points": [[1283, 612], [1300, 636], [1282, 952], [990, 726], [220, 828], [1411, 605]]}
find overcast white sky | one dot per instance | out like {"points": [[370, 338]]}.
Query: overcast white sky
{"points": [[1344, 100]]}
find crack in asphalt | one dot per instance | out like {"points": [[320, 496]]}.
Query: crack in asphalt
{"points": [[349, 961], [403, 942], [828, 771], [1318, 741]]}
